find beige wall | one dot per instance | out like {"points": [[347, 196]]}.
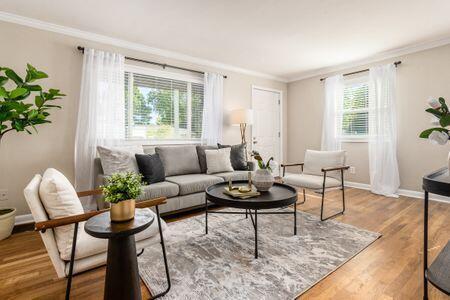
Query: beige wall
{"points": [[420, 75], [22, 156]]}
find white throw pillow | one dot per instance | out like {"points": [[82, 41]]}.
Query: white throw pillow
{"points": [[119, 160], [60, 200], [218, 161]]}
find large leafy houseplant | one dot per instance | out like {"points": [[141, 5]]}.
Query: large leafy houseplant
{"points": [[17, 114]]}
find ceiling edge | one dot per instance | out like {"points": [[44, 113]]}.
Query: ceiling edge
{"points": [[374, 58], [86, 35]]}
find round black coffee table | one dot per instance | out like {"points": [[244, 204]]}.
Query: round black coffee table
{"points": [[280, 195], [122, 273]]}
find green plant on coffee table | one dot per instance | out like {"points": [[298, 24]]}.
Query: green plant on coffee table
{"points": [[260, 161], [122, 186], [15, 113], [439, 109]]}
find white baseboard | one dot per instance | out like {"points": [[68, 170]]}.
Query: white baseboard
{"points": [[24, 219], [402, 192]]}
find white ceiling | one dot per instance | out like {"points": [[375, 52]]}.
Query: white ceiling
{"points": [[289, 38]]}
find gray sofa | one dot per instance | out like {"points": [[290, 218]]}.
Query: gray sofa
{"points": [[183, 191]]}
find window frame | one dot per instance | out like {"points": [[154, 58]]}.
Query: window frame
{"points": [[190, 78], [355, 138]]}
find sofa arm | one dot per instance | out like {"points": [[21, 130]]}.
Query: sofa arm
{"points": [[251, 165]]}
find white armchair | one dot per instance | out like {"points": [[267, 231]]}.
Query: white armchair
{"points": [[320, 170], [84, 252]]}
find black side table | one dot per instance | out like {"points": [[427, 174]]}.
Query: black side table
{"points": [[122, 273], [438, 273]]}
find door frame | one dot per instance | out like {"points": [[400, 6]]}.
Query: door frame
{"points": [[281, 119]]}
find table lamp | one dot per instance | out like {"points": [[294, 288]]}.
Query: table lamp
{"points": [[242, 117]]}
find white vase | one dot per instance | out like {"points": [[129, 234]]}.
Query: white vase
{"points": [[263, 180], [7, 223]]}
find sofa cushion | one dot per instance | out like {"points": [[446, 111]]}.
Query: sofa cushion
{"points": [[316, 160], [235, 175], [237, 156], [193, 183], [88, 245], [60, 200], [218, 160], [151, 167], [118, 160], [159, 189], [310, 181], [179, 160], [202, 156]]}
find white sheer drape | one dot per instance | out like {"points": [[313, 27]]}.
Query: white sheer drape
{"points": [[212, 109], [384, 175], [101, 111], [332, 113]]}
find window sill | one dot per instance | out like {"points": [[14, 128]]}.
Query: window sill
{"points": [[144, 142], [348, 141]]}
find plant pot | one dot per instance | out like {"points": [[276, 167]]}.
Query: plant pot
{"points": [[122, 211], [263, 180], [7, 218]]}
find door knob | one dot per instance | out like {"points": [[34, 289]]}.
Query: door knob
{"points": [[255, 142]]}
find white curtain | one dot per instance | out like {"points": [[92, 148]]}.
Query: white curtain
{"points": [[212, 109], [384, 176], [332, 113], [101, 111]]}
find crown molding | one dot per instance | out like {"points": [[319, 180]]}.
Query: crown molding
{"points": [[374, 58], [99, 38]]}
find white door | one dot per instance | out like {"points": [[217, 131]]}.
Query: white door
{"points": [[266, 130]]}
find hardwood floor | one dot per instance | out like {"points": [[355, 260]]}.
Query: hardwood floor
{"points": [[391, 268]]}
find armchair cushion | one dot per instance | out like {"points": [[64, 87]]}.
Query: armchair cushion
{"points": [[60, 200], [308, 181], [316, 160]]}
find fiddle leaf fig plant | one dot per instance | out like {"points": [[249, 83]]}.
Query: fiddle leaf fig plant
{"points": [[18, 114], [439, 134]]}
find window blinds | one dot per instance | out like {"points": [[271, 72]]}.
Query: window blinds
{"points": [[160, 108], [355, 110]]}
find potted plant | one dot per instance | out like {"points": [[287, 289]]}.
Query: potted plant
{"points": [[263, 179], [7, 217], [121, 191], [439, 134], [17, 113]]}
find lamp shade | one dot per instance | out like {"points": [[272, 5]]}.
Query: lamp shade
{"points": [[241, 116]]}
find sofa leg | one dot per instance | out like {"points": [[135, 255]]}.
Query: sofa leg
{"points": [[164, 256], [72, 260]]}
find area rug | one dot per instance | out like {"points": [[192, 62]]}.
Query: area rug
{"points": [[221, 265]]}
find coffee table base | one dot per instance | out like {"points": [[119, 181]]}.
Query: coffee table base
{"points": [[253, 217]]}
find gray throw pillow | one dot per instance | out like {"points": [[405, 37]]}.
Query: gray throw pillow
{"points": [[179, 160], [151, 167], [237, 156], [202, 156]]}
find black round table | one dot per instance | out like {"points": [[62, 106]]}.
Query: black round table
{"points": [[122, 273], [280, 195]]}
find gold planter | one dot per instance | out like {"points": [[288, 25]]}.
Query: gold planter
{"points": [[123, 210]]}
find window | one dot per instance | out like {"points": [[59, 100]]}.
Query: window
{"points": [[355, 116], [161, 106]]}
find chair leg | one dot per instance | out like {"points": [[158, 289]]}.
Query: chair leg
{"points": [[304, 198], [164, 256], [323, 199], [72, 260]]}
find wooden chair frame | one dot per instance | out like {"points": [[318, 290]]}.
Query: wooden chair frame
{"points": [[76, 219], [324, 171]]}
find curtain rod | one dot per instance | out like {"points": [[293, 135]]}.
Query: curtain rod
{"points": [[362, 71], [81, 49]]}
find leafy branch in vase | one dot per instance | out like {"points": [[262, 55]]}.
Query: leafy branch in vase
{"points": [[439, 109]]}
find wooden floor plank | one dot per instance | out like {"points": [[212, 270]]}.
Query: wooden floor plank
{"points": [[390, 268]]}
